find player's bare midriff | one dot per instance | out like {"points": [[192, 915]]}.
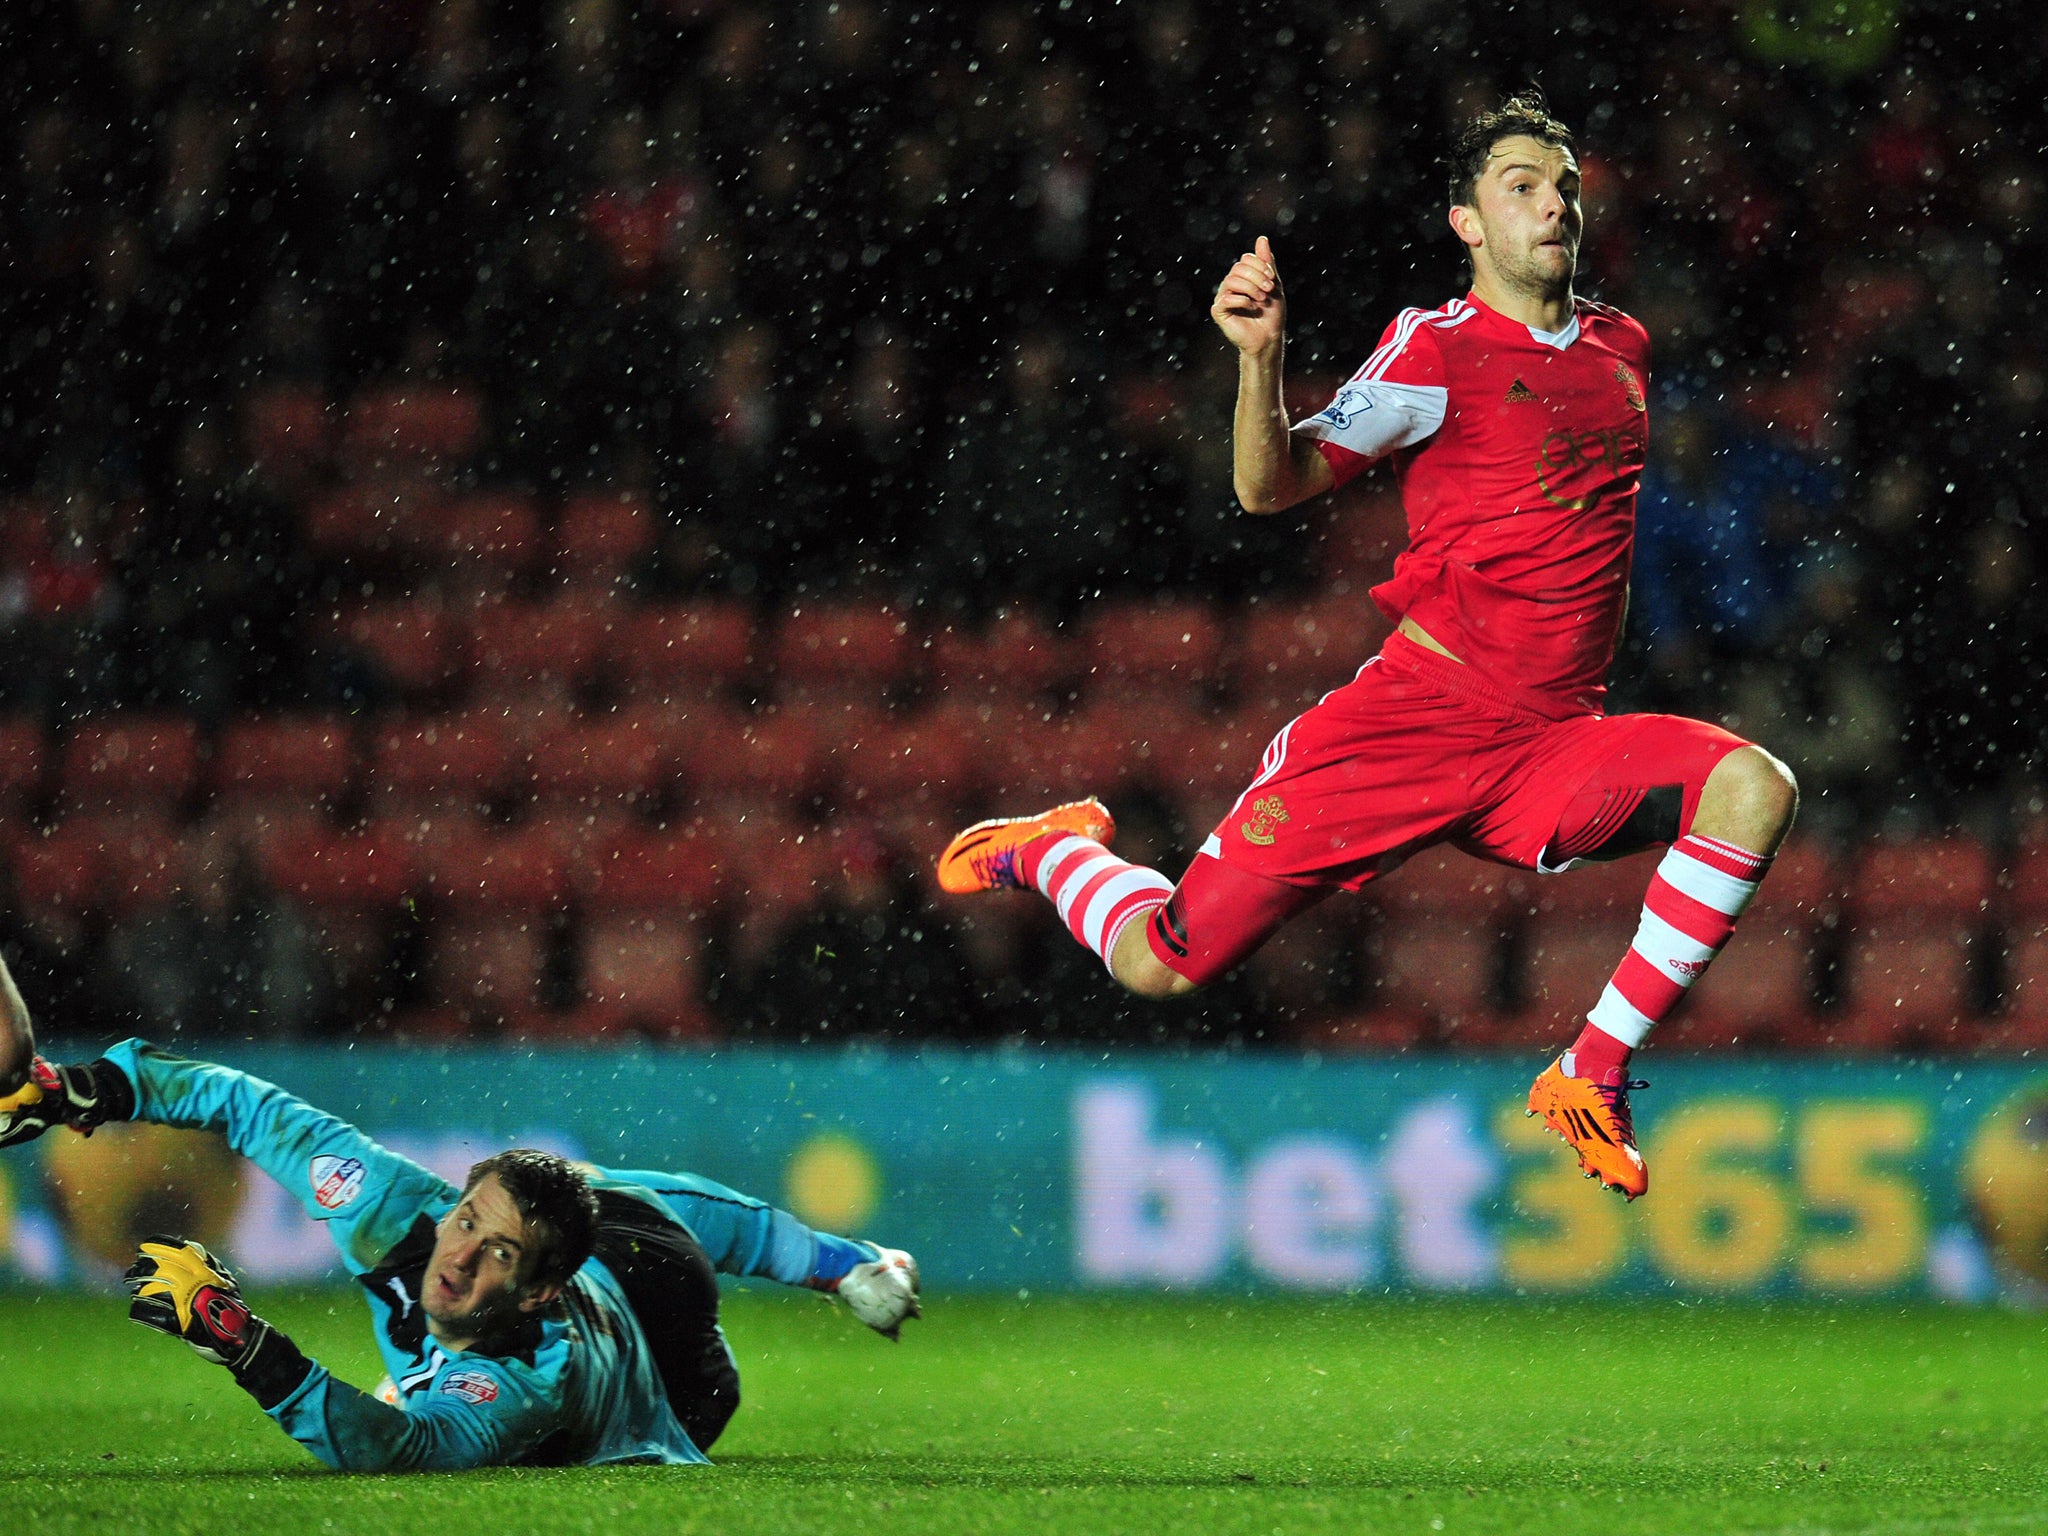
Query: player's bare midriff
{"points": [[1423, 637]]}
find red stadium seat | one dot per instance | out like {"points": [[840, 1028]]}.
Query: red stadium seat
{"points": [[341, 872], [681, 652], [602, 536], [1220, 754], [376, 522], [893, 760], [518, 644], [1152, 649], [428, 426], [680, 869], [1440, 948], [125, 762], [522, 869], [842, 648], [1916, 914], [303, 762], [144, 863], [487, 965], [1291, 654], [617, 760], [728, 754], [1013, 656], [449, 764], [1952, 876], [413, 645], [60, 869], [647, 966], [484, 541]]}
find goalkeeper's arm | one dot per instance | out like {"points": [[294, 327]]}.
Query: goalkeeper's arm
{"points": [[180, 1289]]}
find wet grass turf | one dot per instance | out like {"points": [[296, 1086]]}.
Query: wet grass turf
{"points": [[1129, 1416]]}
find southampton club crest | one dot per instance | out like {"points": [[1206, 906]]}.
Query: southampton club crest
{"points": [[1267, 814]]}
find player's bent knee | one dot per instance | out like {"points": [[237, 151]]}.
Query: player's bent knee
{"points": [[1754, 790], [1143, 973], [1149, 978]]}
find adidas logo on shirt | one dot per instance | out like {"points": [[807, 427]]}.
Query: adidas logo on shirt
{"points": [[1519, 393]]}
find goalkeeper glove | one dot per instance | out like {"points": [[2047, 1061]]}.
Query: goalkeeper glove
{"points": [[81, 1097], [181, 1289]]}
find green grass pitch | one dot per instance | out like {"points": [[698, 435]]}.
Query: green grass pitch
{"points": [[1245, 1415]]}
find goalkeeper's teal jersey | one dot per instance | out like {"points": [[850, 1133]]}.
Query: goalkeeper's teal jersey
{"points": [[577, 1385]]}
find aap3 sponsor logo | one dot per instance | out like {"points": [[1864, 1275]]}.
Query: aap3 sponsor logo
{"points": [[1315, 1212], [336, 1181]]}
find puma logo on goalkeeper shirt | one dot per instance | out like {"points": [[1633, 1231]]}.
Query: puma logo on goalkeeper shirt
{"points": [[406, 1301]]}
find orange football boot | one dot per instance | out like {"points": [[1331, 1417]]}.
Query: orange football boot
{"points": [[1593, 1118], [984, 857]]}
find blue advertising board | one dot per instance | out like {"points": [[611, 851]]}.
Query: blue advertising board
{"points": [[1031, 1169]]}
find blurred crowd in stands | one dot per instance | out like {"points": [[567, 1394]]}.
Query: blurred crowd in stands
{"points": [[580, 377]]}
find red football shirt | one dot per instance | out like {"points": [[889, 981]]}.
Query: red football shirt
{"points": [[1518, 454]]}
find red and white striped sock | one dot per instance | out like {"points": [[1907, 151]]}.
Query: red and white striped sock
{"points": [[1701, 887], [1096, 894]]}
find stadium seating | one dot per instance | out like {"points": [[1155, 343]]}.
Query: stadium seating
{"points": [[517, 647], [23, 763], [841, 650], [288, 432], [284, 764], [438, 768], [372, 524], [1284, 656], [1918, 914], [1440, 950], [428, 427], [476, 545], [129, 763], [496, 896], [601, 536], [1153, 650], [1015, 656], [681, 654]]}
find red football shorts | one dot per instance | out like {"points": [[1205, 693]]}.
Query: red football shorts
{"points": [[1416, 751]]}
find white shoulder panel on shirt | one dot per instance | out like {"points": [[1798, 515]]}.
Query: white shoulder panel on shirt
{"points": [[1374, 418]]}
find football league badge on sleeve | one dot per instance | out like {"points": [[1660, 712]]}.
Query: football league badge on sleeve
{"points": [[336, 1181]]}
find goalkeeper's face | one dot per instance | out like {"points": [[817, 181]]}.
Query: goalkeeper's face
{"points": [[477, 1282]]}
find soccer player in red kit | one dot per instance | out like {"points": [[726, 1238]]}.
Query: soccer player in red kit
{"points": [[1515, 420]]}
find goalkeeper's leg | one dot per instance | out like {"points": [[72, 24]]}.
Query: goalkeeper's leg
{"points": [[673, 1290]]}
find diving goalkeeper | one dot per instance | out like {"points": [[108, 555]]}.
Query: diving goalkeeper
{"points": [[547, 1313]]}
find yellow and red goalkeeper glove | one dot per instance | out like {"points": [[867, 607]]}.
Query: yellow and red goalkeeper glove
{"points": [[181, 1289]]}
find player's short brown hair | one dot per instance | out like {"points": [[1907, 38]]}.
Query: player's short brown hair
{"points": [[555, 1200], [1525, 114]]}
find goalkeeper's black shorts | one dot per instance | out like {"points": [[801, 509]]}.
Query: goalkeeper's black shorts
{"points": [[668, 1278]]}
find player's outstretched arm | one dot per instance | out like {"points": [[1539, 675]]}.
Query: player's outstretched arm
{"points": [[1270, 467], [178, 1288]]}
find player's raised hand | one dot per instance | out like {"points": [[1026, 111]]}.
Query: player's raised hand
{"points": [[1250, 307], [79, 1097]]}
